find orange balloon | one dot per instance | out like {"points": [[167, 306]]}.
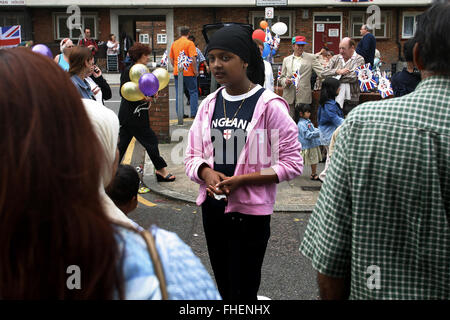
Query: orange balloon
{"points": [[263, 24]]}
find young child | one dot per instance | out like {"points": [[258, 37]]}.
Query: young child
{"points": [[309, 137], [237, 229], [123, 190], [329, 115]]}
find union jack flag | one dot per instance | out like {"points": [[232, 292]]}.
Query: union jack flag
{"points": [[279, 73], [365, 78], [384, 86], [296, 79], [276, 42], [268, 38], [164, 59], [184, 60], [9, 36]]}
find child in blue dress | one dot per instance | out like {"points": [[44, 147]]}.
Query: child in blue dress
{"points": [[309, 137]]}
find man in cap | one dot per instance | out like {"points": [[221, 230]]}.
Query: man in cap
{"points": [[303, 63]]}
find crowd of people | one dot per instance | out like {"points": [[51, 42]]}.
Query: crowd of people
{"points": [[65, 198]]}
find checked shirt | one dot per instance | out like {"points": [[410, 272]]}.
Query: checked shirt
{"points": [[386, 199]]}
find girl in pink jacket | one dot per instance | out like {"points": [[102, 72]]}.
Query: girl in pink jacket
{"points": [[241, 144]]}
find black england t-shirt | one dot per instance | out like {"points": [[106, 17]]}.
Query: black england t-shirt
{"points": [[229, 135]]}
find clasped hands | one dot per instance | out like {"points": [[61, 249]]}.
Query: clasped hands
{"points": [[218, 183]]}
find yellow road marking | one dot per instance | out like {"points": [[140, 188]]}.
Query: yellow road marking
{"points": [[129, 153], [146, 202], [174, 121], [127, 160]]}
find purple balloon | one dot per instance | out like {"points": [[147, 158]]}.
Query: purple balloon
{"points": [[42, 49], [148, 84]]}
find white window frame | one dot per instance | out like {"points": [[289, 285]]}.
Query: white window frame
{"points": [[161, 38], [414, 14], [387, 24], [144, 38], [281, 13], [58, 15]]}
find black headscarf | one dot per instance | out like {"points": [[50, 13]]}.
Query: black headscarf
{"points": [[238, 40]]}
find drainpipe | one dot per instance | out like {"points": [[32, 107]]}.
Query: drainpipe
{"points": [[399, 45]]}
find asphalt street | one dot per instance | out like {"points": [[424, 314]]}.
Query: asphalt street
{"points": [[286, 274]]}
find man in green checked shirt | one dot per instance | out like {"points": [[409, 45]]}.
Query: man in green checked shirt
{"points": [[381, 226]]}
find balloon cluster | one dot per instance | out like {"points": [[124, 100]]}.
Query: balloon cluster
{"points": [[143, 83], [271, 44]]}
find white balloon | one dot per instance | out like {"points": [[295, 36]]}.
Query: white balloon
{"points": [[279, 28]]}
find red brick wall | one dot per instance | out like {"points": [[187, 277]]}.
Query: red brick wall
{"points": [[43, 29], [44, 26], [388, 47], [159, 116], [104, 25], [154, 27]]}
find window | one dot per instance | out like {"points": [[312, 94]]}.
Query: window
{"points": [[11, 19], [288, 17], [161, 38], [357, 19], [144, 38], [87, 21], [409, 24]]}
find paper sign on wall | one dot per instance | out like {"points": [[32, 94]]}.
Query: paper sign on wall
{"points": [[333, 32], [320, 27]]}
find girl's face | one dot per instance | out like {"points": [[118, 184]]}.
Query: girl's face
{"points": [[226, 67], [305, 114]]}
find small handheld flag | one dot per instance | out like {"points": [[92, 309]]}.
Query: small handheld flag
{"points": [[365, 78], [384, 86], [184, 61]]}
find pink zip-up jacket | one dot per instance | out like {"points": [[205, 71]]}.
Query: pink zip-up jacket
{"points": [[272, 142]]}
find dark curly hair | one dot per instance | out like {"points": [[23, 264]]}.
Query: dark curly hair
{"points": [[138, 50]]}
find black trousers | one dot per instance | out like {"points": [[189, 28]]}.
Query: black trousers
{"points": [[147, 137], [236, 245]]}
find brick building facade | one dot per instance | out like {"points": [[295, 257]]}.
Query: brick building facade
{"points": [[45, 23], [158, 22]]}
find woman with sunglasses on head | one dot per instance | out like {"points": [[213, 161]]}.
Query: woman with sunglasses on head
{"points": [[241, 144], [65, 46]]}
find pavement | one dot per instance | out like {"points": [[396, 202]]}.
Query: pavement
{"points": [[297, 195]]}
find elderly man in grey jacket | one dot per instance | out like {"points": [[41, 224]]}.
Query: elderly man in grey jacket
{"points": [[342, 67]]}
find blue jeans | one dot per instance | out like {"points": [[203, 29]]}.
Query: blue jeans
{"points": [[191, 84]]}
